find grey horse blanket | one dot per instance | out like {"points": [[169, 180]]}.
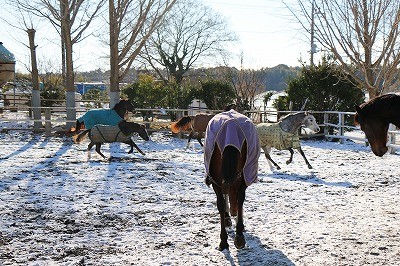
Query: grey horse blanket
{"points": [[222, 130], [104, 133], [272, 135], [100, 117]]}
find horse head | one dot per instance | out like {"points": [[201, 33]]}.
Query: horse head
{"points": [[311, 123], [126, 105], [375, 130], [128, 128]]}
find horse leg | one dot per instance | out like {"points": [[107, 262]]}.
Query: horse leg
{"points": [[133, 145], [199, 136], [291, 156], [240, 241], [98, 146], [90, 146], [216, 173], [130, 143], [190, 137], [228, 221], [267, 150], [221, 209], [304, 156]]}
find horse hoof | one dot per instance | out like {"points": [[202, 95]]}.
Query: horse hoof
{"points": [[223, 246], [288, 162], [310, 167], [239, 241]]}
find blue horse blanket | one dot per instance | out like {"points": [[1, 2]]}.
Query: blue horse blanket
{"points": [[100, 117]]}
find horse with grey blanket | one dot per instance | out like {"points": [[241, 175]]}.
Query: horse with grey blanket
{"points": [[284, 135], [123, 132]]}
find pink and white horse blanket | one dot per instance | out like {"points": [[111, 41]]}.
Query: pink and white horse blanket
{"points": [[232, 128]]}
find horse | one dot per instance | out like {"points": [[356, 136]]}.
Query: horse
{"points": [[100, 134], [374, 118], [109, 117], [231, 157], [284, 135], [196, 125]]}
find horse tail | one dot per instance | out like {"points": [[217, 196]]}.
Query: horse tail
{"points": [[81, 136], [230, 160], [78, 126], [183, 124]]}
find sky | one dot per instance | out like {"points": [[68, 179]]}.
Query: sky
{"points": [[268, 36]]}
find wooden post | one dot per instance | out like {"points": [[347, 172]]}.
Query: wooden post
{"points": [[47, 123], [326, 120], [392, 138], [341, 128]]}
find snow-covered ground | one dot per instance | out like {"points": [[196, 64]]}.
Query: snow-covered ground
{"points": [[58, 206]]}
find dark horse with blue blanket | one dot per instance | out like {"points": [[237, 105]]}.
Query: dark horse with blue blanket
{"points": [[110, 117]]}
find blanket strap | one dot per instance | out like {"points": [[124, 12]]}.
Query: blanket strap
{"points": [[104, 138], [209, 180]]}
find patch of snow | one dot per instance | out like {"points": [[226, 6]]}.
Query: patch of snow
{"points": [[60, 206]]}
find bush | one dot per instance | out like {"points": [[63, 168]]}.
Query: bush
{"points": [[216, 94], [53, 90], [96, 95], [148, 93], [324, 89]]}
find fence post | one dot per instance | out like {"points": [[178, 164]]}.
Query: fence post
{"points": [[326, 129], [391, 138], [341, 128], [47, 123]]}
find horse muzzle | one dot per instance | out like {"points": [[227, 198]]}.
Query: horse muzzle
{"points": [[379, 151]]}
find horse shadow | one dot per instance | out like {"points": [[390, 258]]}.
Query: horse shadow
{"points": [[22, 149], [257, 253], [311, 178]]}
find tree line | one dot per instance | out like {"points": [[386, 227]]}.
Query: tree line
{"points": [[173, 37]]}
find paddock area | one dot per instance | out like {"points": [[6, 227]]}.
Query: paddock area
{"points": [[62, 206]]}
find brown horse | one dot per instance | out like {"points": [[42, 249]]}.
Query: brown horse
{"points": [[231, 157], [196, 125], [374, 117]]}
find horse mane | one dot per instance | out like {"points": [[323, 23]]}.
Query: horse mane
{"points": [[291, 115], [119, 103], [183, 124], [378, 105], [382, 102]]}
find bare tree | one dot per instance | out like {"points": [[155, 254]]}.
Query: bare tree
{"points": [[131, 23], [246, 82], [70, 18], [191, 32], [25, 22], [363, 37]]}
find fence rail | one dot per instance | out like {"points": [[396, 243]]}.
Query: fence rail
{"points": [[335, 125]]}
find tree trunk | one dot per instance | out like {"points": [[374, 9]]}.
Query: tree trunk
{"points": [[114, 61], [35, 102], [69, 81]]}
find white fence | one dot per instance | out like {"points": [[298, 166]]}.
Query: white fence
{"points": [[335, 125]]}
